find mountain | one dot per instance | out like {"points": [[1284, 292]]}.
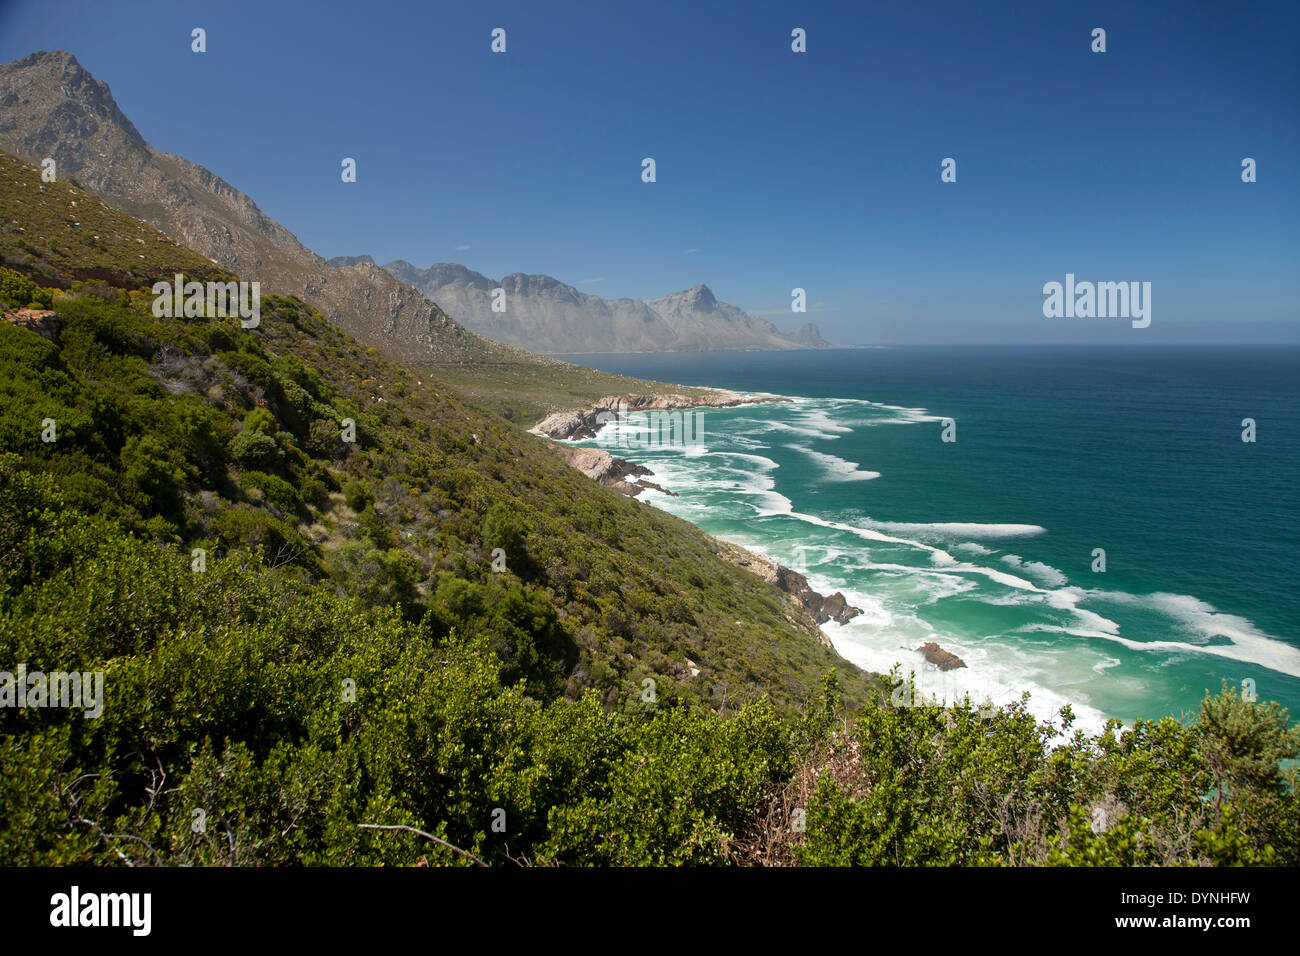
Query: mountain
{"points": [[50, 106], [701, 323], [544, 314], [809, 336]]}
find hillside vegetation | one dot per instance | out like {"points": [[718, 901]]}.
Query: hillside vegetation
{"points": [[525, 393], [304, 637]]}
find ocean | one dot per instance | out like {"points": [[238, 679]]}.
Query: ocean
{"points": [[991, 544]]}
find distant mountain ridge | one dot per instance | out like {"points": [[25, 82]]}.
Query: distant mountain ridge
{"points": [[50, 106], [544, 314]]}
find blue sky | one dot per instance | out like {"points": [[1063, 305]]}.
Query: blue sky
{"points": [[775, 170]]}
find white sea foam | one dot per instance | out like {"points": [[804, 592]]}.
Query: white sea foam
{"points": [[896, 414], [995, 672], [806, 430], [1043, 573], [820, 419], [958, 529], [764, 463], [836, 469], [1202, 622]]}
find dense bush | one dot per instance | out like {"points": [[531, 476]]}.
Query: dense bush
{"points": [[17, 291], [255, 449], [275, 489]]}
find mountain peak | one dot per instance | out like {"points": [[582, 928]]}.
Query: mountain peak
{"points": [[60, 109], [49, 59], [701, 295], [809, 336], [549, 315]]}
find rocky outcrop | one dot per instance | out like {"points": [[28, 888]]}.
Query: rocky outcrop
{"points": [[936, 655], [547, 315], [701, 322], [586, 422], [823, 609], [617, 473], [834, 608], [41, 321], [810, 337]]}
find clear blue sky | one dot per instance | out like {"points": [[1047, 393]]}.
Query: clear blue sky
{"points": [[775, 169]]}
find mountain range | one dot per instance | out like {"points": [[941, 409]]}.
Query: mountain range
{"points": [[543, 314], [52, 107]]}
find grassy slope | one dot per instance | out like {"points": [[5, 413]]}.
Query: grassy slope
{"points": [[527, 392], [58, 233]]}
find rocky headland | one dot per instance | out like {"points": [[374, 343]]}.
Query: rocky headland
{"points": [[586, 422]]}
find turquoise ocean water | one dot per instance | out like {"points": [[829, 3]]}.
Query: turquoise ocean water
{"points": [[986, 544]]}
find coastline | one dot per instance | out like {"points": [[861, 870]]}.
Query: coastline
{"points": [[830, 613], [587, 421], [615, 473]]}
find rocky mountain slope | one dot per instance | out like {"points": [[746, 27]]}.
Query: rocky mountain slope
{"points": [[50, 106], [546, 315]]}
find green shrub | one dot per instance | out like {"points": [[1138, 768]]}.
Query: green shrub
{"points": [[153, 475], [357, 495], [16, 290], [255, 449], [244, 526], [275, 489], [314, 492]]}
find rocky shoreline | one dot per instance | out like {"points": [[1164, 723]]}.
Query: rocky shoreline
{"points": [[586, 422], [822, 608], [627, 478], [618, 473]]}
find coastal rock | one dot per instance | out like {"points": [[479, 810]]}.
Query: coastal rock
{"points": [[838, 609], [834, 608], [936, 655], [610, 471]]}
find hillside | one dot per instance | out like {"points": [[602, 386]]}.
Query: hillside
{"points": [[544, 314], [433, 468], [58, 233], [53, 107]]}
